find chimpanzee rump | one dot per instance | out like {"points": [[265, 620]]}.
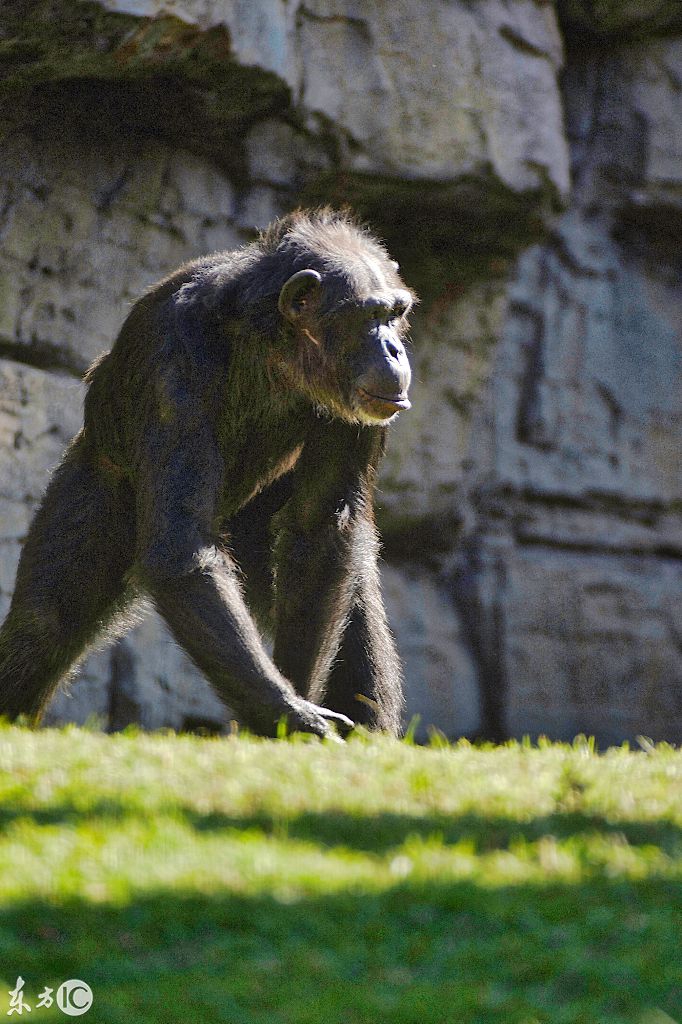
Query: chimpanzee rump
{"points": [[225, 468]]}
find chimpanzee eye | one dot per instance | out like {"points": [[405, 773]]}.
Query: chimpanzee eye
{"points": [[383, 312]]}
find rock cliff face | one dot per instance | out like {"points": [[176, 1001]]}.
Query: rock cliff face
{"points": [[524, 163]]}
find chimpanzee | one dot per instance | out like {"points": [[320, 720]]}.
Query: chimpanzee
{"points": [[227, 460]]}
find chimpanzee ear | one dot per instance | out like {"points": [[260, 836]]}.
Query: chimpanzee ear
{"points": [[297, 291]]}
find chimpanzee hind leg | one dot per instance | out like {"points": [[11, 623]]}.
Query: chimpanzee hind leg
{"points": [[70, 582]]}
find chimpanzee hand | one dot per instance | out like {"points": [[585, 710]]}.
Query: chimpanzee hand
{"points": [[309, 717]]}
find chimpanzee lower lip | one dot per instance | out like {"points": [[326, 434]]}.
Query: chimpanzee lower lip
{"points": [[397, 401]]}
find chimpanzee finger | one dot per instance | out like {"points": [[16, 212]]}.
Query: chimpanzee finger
{"points": [[341, 722]]}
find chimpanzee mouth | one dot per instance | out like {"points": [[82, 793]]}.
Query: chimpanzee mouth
{"points": [[383, 405]]}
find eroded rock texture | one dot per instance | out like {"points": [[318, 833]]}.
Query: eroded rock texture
{"points": [[531, 500]]}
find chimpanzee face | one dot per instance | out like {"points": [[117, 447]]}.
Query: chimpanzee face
{"points": [[352, 358]]}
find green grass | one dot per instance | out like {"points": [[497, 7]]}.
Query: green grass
{"points": [[241, 880]]}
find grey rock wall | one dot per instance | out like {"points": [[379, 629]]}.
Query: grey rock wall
{"points": [[575, 552], [524, 163]]}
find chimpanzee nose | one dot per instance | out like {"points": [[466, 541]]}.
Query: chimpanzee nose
{"points": [[388, 372], [394, 348], [396, 361]]}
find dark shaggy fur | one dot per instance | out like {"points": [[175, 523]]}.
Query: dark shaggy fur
{"points": [[226, 468]]}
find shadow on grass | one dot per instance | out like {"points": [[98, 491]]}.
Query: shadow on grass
{"points": [[599, 951], [595, 953]]}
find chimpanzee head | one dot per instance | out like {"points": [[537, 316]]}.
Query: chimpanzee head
{"points": [[345, 312]]}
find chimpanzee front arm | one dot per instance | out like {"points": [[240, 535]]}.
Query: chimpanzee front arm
{"points": [[195, 585]]}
